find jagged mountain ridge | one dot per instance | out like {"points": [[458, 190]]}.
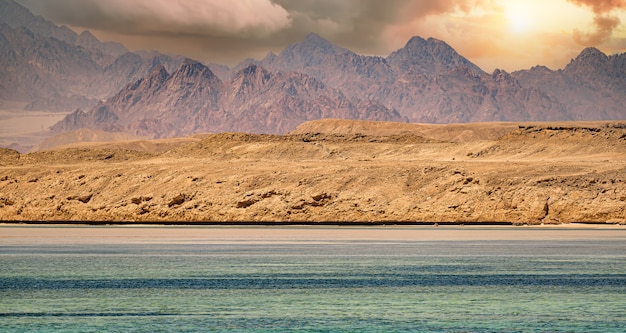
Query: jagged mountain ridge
{"points": [[49, 74], [428, 81], [424, 81], [592, 86], [50, 67], [193, 99], [43, 70], [16, 16]]}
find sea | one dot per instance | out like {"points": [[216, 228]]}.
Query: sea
{"points": [[315, 285]]}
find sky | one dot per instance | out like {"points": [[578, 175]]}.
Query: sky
{"points": [[505, 34]]}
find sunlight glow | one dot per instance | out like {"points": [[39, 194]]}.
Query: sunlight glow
{"points": [[519, 17]]}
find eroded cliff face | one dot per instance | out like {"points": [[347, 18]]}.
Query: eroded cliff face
{"points": [[533, 174]]}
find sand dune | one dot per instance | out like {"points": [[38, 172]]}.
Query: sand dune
{"points": [[333, 170]]}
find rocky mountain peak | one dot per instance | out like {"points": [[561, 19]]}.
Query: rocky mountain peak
{"points": [[415, 42], [192, 70], [312, 51], [269, 61], [420, 46], [541, 69], [590, 56], [255, 73], [590, 61], [428, 56], [500, 75], [315, 41], [158, 75], [270, 57], [249, 79], [86, 38]]}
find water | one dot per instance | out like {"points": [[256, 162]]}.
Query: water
{"points": [[309, 286]]}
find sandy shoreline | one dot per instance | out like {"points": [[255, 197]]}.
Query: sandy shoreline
{"points": [[137, 234]]}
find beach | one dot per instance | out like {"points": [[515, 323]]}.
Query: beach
{"points": [[67, 234]]}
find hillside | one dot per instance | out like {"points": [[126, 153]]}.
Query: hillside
{"points": [[333, 171]]}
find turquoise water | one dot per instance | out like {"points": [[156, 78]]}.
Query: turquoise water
{"points": [[330, 286]]}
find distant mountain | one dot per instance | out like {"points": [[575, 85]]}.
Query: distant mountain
{"points": [[313, 51], [591, 87], [431, 56], [354, 74], [193, 99], [150, 94], [17, 16], [44, 71], [426, 81], [50, 67]]}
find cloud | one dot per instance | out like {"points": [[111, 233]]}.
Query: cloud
{"points": [[604, 30], [257, 18], [362, 25], [601, 6], [230, 31], [354, 23], [604, 22]]}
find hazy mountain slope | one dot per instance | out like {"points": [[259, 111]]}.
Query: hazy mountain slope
{"points": [[17, 16], [427, 56], [426, 81], [193, 99], [591, 87], [44, 71], [50, 67]]}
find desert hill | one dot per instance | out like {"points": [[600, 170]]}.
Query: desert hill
{"points": [[82, 136], [449, 132], [332, 170]]}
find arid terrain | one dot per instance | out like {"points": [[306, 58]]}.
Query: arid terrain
{"points": [[332, 171]]}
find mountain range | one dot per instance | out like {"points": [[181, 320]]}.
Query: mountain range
{"points": [[48, 67]]}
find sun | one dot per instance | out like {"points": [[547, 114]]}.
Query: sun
{"points": [[520, 22], [519, 17]]}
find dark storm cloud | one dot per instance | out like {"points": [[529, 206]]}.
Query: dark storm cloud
{"points": [[361, 24], [256, 18], [604, 22], [248, 25]]}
